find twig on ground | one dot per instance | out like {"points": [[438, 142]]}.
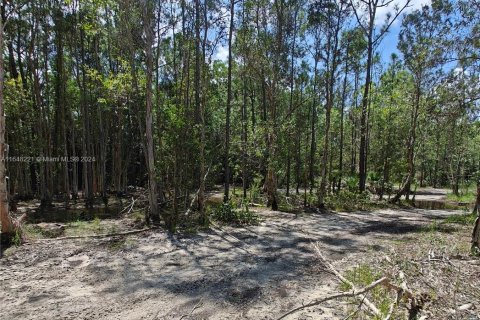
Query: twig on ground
{"points": [[392, 306], [416, 303], [353, 293], [351, 315], [129, 207], [193, 309], [366, 301]]}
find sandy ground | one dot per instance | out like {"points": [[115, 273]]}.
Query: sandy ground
{"points": [[431, 194], [253, 272]]}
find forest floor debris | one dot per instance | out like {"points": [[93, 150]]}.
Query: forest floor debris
{"points": [[246, 272]]}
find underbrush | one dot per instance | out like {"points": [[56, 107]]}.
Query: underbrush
{"points": [[231, 213], [346, 200], [362, 276], [467, 193], [467, 197], [463, 219]]}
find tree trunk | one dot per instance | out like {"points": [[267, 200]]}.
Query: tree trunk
{"points": [[229, 104], [405, 188], [290, 105], [342, 111], [152, 183], [313, 142], [476, 228], [363, 118], [8, 228], [330, 95], [60, 101], [203, 88]]}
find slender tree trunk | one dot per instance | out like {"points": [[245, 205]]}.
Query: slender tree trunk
{"points": [[313, 142], [363, 117], [405, 188], [8, 228], [290, 105], [152, 183], [203, 105], [229, 104], [353, 151], [86, 166], [330, 94], [342, 111], [476, 228], [244, 136], [61, 107]]}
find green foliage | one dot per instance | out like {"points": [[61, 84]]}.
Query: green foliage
{"points": [[467, 193], [80, 227], [17, 239], [228, 213], [352, 183], [254, 193], [373, 177], [463, 219], [364, 275], [346, 200]]}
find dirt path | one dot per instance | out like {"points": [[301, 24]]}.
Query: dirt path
{"points": [[431, 194], [254, 272]]}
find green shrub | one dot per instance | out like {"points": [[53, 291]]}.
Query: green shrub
{"points": [[229, 213], [348, 200], [352, 183], [254, 194], [364, 275], [464, 219]]}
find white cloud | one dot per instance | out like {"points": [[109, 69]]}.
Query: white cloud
{"points": [[414, 4], [221, 54]]}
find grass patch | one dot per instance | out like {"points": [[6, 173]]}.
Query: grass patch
{"points": [[463, 219], [30, 231], [138, 216], [467, 197], [364, 275], [79, 227], [347, 200]]}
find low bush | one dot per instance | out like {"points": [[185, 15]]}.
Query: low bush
{"points": [[347, 200], [231, 214]]}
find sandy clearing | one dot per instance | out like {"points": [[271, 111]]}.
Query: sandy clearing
{"points": [[252, 272]]}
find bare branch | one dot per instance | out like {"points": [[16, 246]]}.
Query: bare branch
{"points": [[353, 293], [389, 24], [384, 4], [14, 9], [367, 302], [358, 18]]}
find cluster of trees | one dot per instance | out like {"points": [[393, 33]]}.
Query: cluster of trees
{"points": [[180, 95]]}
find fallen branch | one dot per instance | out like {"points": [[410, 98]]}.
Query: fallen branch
{"points": [[107, 235], [392, 306], [129, 207], [353, 293], [366, 301], [416, 302], [354, 313]]}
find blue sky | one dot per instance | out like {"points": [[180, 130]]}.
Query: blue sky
{"points": [[389, 43]]}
